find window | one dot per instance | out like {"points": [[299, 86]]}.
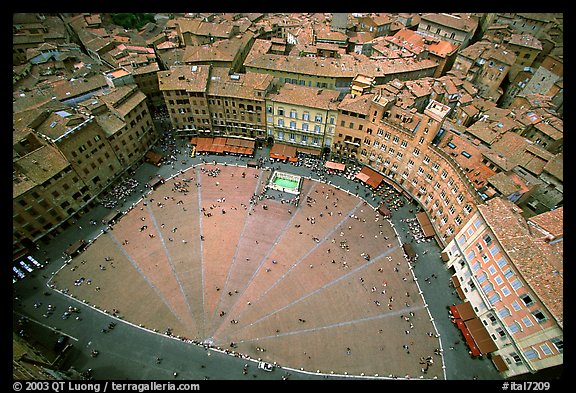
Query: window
{"points": [[504, 312], [527, 322], [540, 316], [558, 343], [488, 287], [494, 250], [318, 118], [516, 358], [494, 298], [531, 354], [545, 349], [514, 327], [527, 299]]}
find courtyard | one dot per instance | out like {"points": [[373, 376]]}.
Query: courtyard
{"points": [[317, 282]]}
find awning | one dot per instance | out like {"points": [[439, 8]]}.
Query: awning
{"points": [[499, 363], [277, 156], [222, 144], [475, 351], [283, 150], [466, 311], [370, 177], [455, 312], [314, 152], [154, 182], [362, 177], [409, 250], [75, 248], [335, 165], [460, 293], [113, 215], [153, 157], [383, 210], [425, 224], [444, 257], [455, 281], [293, 159], [481, 336]]}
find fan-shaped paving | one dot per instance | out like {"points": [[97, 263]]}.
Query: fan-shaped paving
{"points": [[322, 286]]}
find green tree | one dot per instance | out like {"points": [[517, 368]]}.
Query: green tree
{"points": [[132, 21]]}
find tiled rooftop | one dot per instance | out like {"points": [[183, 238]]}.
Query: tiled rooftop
{"points": [[243, 86], [347, 66], [39, 166], [538, 261], [464, 24], [306, 96], [185, 77]]}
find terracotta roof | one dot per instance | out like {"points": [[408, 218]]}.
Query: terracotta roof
{"points": [[123, 99], [306, 96], [184, 77], [537, 261], [225, 50], [483, 131], [555, 166], [40, 165], [550, 130], [59, 123], [359, 104], [198, 27], [504, 184], [245, 86], [551, 222], [346, 66], [453, 21], [526, 40]]}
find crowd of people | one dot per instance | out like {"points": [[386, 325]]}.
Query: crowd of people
{"points": [[119, 193], [414, 230]]}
